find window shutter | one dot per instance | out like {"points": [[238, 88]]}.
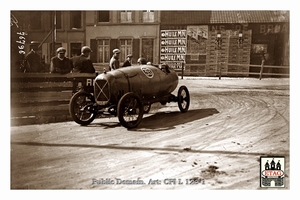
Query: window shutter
{"points": [[113, 45], [136, 50], [94, 50]]}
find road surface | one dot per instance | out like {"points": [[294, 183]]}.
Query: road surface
{"points": [[217, 144]]}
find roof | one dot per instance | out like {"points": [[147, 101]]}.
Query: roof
{"points": [[249, 16], [185, 17], [224, 16]]}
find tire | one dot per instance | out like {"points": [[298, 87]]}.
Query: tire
{"points": [[130, 110], [183, 99], [81, 108]]}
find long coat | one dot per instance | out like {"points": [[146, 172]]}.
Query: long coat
{"points": [[63, 66], [82, 64]]}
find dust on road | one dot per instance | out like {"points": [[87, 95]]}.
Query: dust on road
{"points": [[217, 144]]}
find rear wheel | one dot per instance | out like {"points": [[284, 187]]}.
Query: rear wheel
{"points": [[130, 110], [183, 99], [81, 108]]}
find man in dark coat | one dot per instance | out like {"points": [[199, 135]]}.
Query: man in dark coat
{"points": [[82, 64], [33, 61], [60, 63], [127, 61]]}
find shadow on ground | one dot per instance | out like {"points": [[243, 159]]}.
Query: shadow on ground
{"points": [[168, 120]]}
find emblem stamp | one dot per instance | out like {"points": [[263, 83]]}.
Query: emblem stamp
{"points": [[272, 171], [147, 71]]}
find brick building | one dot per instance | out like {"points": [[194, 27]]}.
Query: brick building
{"points": [[244, 36]]}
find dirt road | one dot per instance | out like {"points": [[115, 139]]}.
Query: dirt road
{"points": [[217, 144]]}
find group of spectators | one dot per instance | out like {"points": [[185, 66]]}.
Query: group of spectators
{"points": [[77, 64], [82, 64], [114, 62]]}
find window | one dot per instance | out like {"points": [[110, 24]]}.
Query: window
{"points": [[58, 19], [35, 20], [103, 16], [126, 48], [75, 19], [75, 49], [103, 51], [126, 16], [148, 16]]}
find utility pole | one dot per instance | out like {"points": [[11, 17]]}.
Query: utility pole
{"points": [[54, 34]]}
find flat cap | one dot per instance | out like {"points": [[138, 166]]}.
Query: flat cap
{"points": [[129, 56], [85, 49], [116, 51], [61, 50]]}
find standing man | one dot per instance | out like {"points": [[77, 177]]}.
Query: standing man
{"points": [[33, 61], [82, 64], [127, 61], [60, 63], [114, 62]]}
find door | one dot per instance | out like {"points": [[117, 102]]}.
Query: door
{"points": [[147, 49]]}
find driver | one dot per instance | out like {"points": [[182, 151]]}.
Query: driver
{"points": [[141, 61]]}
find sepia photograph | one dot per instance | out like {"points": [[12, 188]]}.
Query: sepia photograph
{"points": [[151, 100]]}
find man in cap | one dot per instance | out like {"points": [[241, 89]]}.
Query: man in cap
{"points": [[114, 62], [82, 63], [60, 63], [127, 61], [34, 63]]}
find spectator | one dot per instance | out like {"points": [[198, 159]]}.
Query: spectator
{"points": [[33, 61], [82, 64], [127, 61], [114, 61], [60, 63]]}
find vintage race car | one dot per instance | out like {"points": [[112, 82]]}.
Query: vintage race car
{"points": [[128, 93]]}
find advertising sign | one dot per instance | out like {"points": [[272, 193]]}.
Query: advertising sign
{"points": [[173, 47]]}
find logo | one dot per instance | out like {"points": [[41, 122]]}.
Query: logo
{"points": [[148, 72], [272, 171]]}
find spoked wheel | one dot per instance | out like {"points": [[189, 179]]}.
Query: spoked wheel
{"points": [[130, 110], [183, 99], [81, 108]]}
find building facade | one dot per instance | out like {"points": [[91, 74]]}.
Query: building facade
{"points": [[199, 39], [230, 37], [133, 32]]}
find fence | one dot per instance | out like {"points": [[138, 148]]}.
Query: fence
{"points": [[38, 98], [235, 70]]}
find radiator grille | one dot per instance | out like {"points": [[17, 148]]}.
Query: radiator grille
{"points": [[101, 91]]}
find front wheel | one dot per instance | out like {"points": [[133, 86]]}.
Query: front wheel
{"points": [[130, 110], [81, 108], [183, 99]]}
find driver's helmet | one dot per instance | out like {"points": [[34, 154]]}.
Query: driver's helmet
{"points": [[142, 61]]}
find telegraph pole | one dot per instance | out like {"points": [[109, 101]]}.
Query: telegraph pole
{"points": [[54, 33]]}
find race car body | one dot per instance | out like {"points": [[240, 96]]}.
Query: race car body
{"points": [[128, 93], [148, 81]]}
